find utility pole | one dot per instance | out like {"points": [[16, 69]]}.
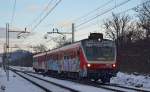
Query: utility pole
{"points": [[73, 32], [6, 60], [6, 51]]}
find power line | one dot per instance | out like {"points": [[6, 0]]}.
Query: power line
{"points": [[13, 13], [87, 26], [133, 7], [116, 6], [87, 14], [116, 13], [40, 15], [46, 15]]}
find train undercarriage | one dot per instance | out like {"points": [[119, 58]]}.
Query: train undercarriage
{"points": [[95, 75]]}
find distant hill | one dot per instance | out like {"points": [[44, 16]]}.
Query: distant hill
{"points": [[21, 58], [1, 55], [19, 54], [1, 58]]}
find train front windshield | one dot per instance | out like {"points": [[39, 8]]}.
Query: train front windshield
{"points": [[99, 51]]}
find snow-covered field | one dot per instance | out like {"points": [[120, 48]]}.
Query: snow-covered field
{"points": [[17, 84], [121, 78], [132, 80], [23, 68]]}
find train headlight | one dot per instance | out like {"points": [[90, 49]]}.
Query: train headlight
{"points": [[88, 65], [113, 65]]}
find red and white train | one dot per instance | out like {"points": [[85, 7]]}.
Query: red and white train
{"points": [[93, 58]]}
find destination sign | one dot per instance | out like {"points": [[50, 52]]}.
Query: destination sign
{"points": [[99, 44]]}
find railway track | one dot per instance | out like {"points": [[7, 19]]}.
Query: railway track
{"points": [[132, 88], [114, 87], [47, 86], [111, 87]]}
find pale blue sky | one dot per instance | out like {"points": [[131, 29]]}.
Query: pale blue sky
{"points": [[68, 10], [28, 10]]}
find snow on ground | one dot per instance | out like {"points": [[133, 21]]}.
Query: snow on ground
{"points": [[16, 83], [122, 78], [140, 81], [73, 85], [132, 80], [23, 68]]}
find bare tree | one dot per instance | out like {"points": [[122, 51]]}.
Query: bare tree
{"points": [[117, 26], [144, 17], [135, 32], [40, 48], [61, 41]]}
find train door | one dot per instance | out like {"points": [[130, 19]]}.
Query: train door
{"points": [[65, 63]]}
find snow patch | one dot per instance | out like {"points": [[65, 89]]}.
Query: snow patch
{"points": [[131, 80], [16, 83]]}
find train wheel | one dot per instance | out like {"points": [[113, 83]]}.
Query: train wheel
{"points": [[36, 70], [96, 79], [79, 75], [105, 80]]}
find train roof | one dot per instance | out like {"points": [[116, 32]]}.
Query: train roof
{"points": [[68, 46], [39, 54], [72, 45]]}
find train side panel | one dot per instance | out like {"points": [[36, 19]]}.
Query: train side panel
{"points": [[39, 62], [64, 60]]}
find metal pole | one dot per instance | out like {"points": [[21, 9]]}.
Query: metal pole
{"points": [[6, 60], [72, 32], [8, 54], [4, 56], [5, 49]]}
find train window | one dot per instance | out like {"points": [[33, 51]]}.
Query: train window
{"points": [[65, 57], [97, 51], [100, 53]]}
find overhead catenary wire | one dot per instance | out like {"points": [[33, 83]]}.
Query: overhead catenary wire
{"points": [[133, 7], [13, 12], [40, 15], [87, 14], [116, 6], [85, 27], [45, 15], [49, 11], [94, 10]]}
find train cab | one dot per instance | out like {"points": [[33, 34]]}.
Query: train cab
{"points": [[100, 57]]}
